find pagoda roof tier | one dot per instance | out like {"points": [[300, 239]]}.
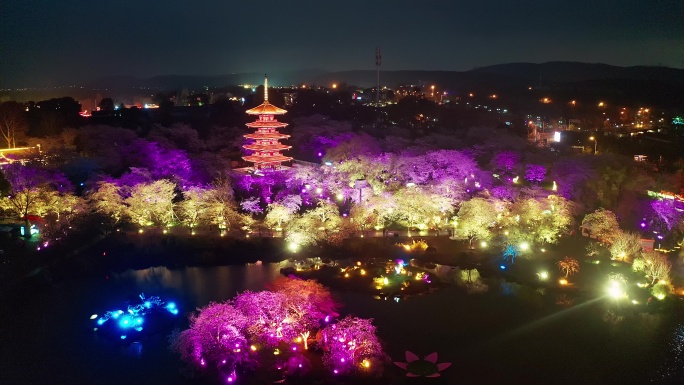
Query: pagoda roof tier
{"points": [[260, 159], [266, 136], [266, 108], [267, 147], [267, 124]]}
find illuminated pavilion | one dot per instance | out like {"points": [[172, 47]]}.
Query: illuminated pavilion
{"points": [[266, 147]]}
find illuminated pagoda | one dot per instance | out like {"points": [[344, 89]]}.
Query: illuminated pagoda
{"points": [[266, 147]]}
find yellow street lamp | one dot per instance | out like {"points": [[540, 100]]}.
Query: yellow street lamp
{"points": [[595, 143]]}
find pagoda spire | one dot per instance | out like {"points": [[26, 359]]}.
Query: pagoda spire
{"points": [[265, 88]]}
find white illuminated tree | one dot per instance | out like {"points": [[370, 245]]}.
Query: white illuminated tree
{"points": [[252, 205], [363, 218], [475, 217], [655, 265], [195, 208], [602, 224], [625, 245], [107, 199], [221, 204], [152, 203], [277, 214], [33, 190], [542, 220], [302, 231]]}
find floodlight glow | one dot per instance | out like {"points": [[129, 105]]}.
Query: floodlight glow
{"points": [[615, 290], [524, 246], [483, 244], [556, 136], [543, 275]]}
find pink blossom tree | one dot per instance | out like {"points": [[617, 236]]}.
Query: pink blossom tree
{"points": [[351, 345], [216, 337], [271, 319], [309, 302]]}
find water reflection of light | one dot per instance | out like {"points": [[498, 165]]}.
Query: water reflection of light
{"points": [[673, 368], [530, 326], [201, 283], [135, 349]]}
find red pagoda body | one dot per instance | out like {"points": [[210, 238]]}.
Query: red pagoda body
{"points": [[266, 147]]}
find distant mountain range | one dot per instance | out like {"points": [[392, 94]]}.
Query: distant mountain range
{"points": [[640, 85], [544, 75]]}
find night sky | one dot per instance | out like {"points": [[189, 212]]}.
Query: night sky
{"points": [[52, 42]]}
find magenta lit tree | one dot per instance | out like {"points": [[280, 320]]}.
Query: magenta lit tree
{"points": [[216, 338], [506, 161], [535, 173], [229, 337], [351, 345], [317, 296], [309, 303], [271, 319], [667, 214]]}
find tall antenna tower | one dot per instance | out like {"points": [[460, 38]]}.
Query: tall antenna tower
{"points": [[378, 63]]}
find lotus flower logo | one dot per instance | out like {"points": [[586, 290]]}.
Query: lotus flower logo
{"points": [[427, 367]]}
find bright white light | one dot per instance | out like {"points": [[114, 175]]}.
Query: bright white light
{"points": [[524, 246], [543, 276], [483, 244], [293, 247], [556, 136], [615, 290]]}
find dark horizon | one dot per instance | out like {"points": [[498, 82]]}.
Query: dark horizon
{"points": [[67, 43]]}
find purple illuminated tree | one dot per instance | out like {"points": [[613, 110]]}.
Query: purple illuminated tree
{"points": [[506, 161], [216, 337], [309, 303], [535, 173], [572, 176], [351, 345], [668, 214], [252, 205], [270, 318]]}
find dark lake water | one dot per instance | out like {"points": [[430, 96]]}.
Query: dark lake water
{"points": [[510, 335]]}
